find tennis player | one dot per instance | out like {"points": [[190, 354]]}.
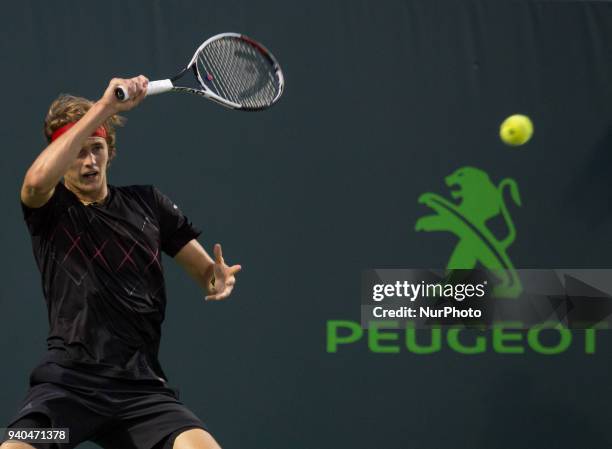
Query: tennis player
{"points": [[98, 248]]}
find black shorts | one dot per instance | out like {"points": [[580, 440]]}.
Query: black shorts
{"points": [[113, 413]]}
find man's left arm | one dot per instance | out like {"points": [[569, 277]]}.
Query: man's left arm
{"points": [[215, 277]]}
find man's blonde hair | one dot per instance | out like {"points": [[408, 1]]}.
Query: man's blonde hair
{"points": [[68, 109]]}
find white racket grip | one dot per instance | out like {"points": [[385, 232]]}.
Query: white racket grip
{"points": [[159, 87]]}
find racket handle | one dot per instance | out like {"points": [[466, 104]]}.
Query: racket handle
{"points": [[153, 88], [121, 93], [159, 87]]}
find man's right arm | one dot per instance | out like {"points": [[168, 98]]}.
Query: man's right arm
{"points": [[51, 165]]}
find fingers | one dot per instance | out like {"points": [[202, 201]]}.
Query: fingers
{"points": [[224, 275], [227, 285], [136, 89], [140, 95], [142, 83], [221, 295], [218, 254]]}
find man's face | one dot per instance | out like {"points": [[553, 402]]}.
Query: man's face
{"points": [[87, 174]]}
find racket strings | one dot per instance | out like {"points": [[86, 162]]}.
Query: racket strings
{"points": [[232, 83], [215, 82], [239, 72], [217, 77], [222, 67]]}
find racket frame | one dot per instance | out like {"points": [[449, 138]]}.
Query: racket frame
{"points": [[166, 85]]}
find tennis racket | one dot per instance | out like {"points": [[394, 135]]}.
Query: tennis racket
{"points": [[231, 69]]}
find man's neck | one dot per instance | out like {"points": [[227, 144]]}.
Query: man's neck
{"points": [[89, 198]]}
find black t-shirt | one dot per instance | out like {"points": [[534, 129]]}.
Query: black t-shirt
{"points": [[102, 277]]}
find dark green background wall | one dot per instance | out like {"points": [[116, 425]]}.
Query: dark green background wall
{"points": [[383, 100]]}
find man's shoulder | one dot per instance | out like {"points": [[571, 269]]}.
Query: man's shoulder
{"points": [[135, 188], [136, 192], [60, 192]]}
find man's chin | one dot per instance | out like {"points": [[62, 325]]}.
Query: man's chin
{"points": [[89, 186]]}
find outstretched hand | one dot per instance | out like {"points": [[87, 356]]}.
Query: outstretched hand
{"points": [[224, 277]]}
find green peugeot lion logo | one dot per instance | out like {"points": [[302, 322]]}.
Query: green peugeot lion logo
{"points": [[480, 200]]}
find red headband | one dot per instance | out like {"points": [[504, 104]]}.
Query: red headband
{"points": [[100, 132]]}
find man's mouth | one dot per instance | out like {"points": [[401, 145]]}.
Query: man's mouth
{"points": [[90, 174]]}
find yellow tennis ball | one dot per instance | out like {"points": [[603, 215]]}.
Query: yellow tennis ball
{"points": [[516, 130]]}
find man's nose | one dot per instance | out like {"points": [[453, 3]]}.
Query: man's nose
{"points": [[91, 159]]}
